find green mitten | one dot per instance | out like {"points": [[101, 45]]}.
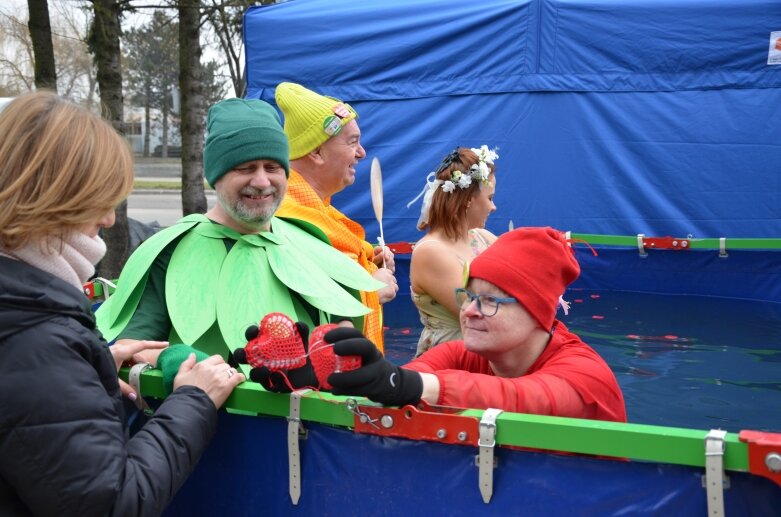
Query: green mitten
{"points": [[171, 359]]}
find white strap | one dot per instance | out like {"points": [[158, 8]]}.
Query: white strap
{"points": [[485, 459], [105, 284], [640, 245], [134, 379], [723, 247], [714, 471], [294, 427]]}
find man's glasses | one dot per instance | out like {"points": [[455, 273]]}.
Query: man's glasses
{"points": [[487, 304]]}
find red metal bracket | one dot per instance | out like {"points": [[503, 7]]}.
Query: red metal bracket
{"points": [[433, 423], [400, 248], [89, 290], [764, 454], [666, 243]]}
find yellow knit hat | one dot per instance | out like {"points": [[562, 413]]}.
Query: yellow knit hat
{"points": [[310, 118]]}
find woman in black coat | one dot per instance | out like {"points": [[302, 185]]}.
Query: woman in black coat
{"points": [[63, 447]]}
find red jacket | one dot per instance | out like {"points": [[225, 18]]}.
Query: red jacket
{"points": [[569, 379]]}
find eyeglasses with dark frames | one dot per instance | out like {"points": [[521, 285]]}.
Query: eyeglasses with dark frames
{"points": [[487, 304]]}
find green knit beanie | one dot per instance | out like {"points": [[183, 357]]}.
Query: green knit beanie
{"points": [[239, 131], [171, 359]]}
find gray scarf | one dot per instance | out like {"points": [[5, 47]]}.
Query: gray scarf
{"points": [[75, 263]]}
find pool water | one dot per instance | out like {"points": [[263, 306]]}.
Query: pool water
{"points": [[682, 361]]}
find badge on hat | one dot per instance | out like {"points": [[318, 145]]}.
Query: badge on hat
{"points": [[341, 110], [332, 125]]}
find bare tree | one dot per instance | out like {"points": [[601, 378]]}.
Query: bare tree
{"points": [[17, 61], [192, 107], [75, 71], [75, 68], [226, 19], [43, 50]]}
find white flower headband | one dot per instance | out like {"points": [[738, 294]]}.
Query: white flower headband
{"points": [[478, 172]]}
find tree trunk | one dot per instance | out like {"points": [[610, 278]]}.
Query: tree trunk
{"points": [[93, 84], [243, 83], [147, 122], [164, 152], [43, 50], [190, 77], [106, 31]]}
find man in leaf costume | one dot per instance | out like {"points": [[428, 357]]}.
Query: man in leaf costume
{"points": [[205, 279], [325, 146]]}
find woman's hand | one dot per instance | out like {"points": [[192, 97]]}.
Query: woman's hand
{"points": [[135, 351], [213, 375]]}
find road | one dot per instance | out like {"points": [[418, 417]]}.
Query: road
{"points": [[163, 207]]}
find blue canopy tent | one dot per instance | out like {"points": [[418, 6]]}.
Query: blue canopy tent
{"points": [[611, 116]]}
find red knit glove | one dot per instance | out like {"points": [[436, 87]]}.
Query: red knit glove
{"points": [[277, 352]]}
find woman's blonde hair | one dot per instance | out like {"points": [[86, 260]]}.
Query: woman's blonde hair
{"points": [[61, 168]]}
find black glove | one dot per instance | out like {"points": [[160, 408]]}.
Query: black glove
{"points": [[303, 377], [377, 378]]}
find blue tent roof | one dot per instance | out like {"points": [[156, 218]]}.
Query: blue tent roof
{"points": [[615, 117]]}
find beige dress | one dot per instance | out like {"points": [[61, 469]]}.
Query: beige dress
{"points": [[439, 325]]}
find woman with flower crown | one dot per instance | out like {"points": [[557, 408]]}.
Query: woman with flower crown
{"points": [[457, 199]]}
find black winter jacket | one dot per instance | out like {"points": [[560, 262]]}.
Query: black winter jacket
{"points": [[64, 449]]}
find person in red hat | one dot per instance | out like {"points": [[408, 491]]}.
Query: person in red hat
{"points": [[515, 354]]}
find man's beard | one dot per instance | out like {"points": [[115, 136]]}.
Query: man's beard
{"points": [[255, 218]]}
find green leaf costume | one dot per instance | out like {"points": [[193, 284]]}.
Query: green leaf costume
{"points": [[205, 283]]}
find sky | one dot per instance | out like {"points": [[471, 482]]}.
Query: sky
{"points": [[18, 7]]}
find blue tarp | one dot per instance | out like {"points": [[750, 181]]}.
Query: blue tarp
{"points": [[612, 117], [244, 472]]}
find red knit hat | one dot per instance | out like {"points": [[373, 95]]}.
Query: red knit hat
{"points": [[533, 265]]}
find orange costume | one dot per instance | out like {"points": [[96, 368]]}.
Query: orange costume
{"points": [[302, 202]]}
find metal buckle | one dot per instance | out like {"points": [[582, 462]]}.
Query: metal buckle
{"points": [[364, 418]]}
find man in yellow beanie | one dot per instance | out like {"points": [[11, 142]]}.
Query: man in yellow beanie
{"points": [[325, 146]]}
